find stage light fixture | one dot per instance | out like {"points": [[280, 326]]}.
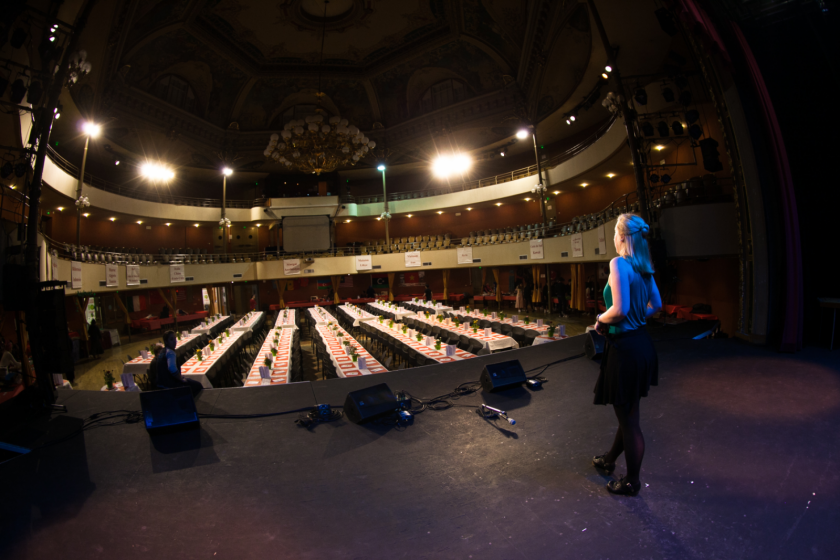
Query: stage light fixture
{"points": [[60, 208], [117, 162], [346, 221], [647, 129], [409, 215], [196, 225], [662, 128], [156, 172], [502, 153], [440, 212], [86, 215], [112, 219], [139, 222], [695, 131], [227, 171], [527, 199], [18, 91], [608, 68], [522, 133], [610, 175], [568, 121], [584, 185], [456, 164], [668, 95], [640, 95], [711, 156], [498, 204], [6, 170], [572, 118], [91, 129], [605, 76], [654, 178], [380, 167], [666, 178], [556, 192], [57, 111], [20, 169], [469, 209], [678, 128], [692, 116], [659, 147], [167, 224]]}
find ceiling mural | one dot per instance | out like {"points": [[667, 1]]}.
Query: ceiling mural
{"points": [[154, 15], [471, 63], [179, 46], [498, 23]]}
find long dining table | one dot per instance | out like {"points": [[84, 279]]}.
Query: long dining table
{"points": [[211, 326], [344, 364], [248, 322], [281, 366], [211, 361], [493, 341], [435, 308], [473, 315], [286, 319], [140, 365], [398, 312], [409, 339], [357, 314]]}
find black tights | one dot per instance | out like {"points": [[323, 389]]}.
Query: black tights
{"points": [[628, 440]]}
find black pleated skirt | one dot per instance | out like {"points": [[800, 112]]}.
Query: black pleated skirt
{"points": [[628, 368]]}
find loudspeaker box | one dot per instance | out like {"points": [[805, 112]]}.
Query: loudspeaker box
{"points": [[502, 375], [369, 404], [168, 410]]}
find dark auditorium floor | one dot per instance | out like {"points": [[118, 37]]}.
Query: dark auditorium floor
{"points": [[741, 462]]}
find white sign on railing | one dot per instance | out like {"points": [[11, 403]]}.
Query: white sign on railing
{"points": [[537, 249], [465, 255], [412, 259], [112, 279], [76, 275], [291, 266], [132, 275], [176, 273], [577, 245], [364, 262], [602, 240]]}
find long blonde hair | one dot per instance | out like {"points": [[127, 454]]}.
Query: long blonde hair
{"points": [[636, 250]]}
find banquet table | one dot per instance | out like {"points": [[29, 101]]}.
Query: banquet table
{"points": [[210, 362], [410, 340], [154, 323], [141, 365], [320, 315], [358, 315], [506, 321], [436, 309], [545, 339], [248, 322], [493, 342], [286, 319], [344, 364], [398, 313], [207, 329], [281, 366]]}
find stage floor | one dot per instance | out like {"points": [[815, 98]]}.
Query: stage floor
{"points": [[741, 462]]}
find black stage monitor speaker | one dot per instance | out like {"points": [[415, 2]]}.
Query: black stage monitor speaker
{"points": [[593, 345], [369, 404], [168, 410], [503, 375]]}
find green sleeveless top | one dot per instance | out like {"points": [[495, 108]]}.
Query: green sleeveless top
{"points": [[639, 297]]}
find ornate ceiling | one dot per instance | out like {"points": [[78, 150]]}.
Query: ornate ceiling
{"points": [[249, 61]]}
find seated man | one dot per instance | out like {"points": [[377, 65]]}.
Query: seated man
{"points": [[11, 367], [165, 368]]}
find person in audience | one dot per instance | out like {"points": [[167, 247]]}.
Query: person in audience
{"points": [[11, 366], [546, 305], [253, 303], [529, 293], [519, 292], [95, 337], [428, 293], [370, 292], [167, 372], [164, 313], [629, 365]]}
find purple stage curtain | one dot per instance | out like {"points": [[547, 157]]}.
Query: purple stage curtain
{"points": [[698, 22], [792, 312]]}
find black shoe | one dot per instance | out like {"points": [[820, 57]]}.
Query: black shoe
{"points": [[601, 464], [623, 487]]}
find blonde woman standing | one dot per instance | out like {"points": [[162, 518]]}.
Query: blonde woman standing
{"points": [[630, 364]]}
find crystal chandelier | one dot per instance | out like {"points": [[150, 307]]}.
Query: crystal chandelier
{"points": [[313, 146]]}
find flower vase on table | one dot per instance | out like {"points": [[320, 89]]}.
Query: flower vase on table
{"points": [[198, 355], [419, 337], [527, 320], [437, 345], [551, 331], [109, 380]]}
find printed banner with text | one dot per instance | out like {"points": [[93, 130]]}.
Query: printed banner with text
{"points": [[112, 279], [291, 266], [132, 275], [364, 262], [76, 275], [176, 273], [577, 245], [465, 255], [537, 249], [412, 259]]}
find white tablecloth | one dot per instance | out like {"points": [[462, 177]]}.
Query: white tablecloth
{"points": [[358, 316], [494, 342], [437, 310], [344, 364], [141, 365], [398, 313], [205, 329], [286, 319], [320, 315], [472, 315], [544, 339], [198, 370], [428, 351], [250, 320], [281, 366]]}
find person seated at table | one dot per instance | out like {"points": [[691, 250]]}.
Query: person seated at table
{"points": [[165, 370], [371, 294], [428, 293], [11, 366], [164, 313]]}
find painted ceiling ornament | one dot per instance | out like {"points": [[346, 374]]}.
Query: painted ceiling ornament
{"points": [[78, 66], [612, 102], [83, 202]]}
